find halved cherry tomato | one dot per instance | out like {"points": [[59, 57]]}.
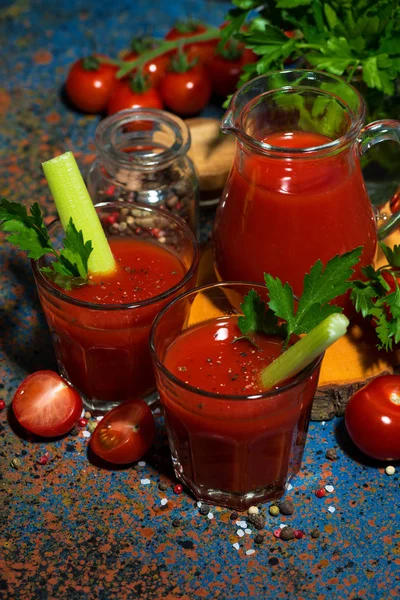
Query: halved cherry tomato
{"points": [[133, 92], [46, 405], [227, 66], [125, 433], [202, 51], [90, 83], [155, 68], [372, 418]]}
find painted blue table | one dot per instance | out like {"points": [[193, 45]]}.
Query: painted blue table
{"points": [[74, 531]]}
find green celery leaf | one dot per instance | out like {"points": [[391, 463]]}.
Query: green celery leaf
{"points": [[392, 254]]}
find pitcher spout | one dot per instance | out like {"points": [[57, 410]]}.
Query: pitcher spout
{"points": [[227, 123]]}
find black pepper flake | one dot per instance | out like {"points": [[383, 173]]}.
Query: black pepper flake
{"points": [[259, 539], [204, 509], [162, 486], [176, 523], [182, 369], [234, 515], [315, 533], [286, 507], [331, 454], [287, 533], [257, 520]]}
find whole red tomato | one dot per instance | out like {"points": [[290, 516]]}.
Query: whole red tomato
{"points": [[90, 84], [202, 51], [372, 418], [186, 88], [133, 92], [125, 433], [155, 68], [227, 66]]}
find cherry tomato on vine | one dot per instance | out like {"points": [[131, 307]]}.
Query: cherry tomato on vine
{"points": [[372, 418], [133, 92], [202, 51], [186, 88], [125, 433], [227, 66], [46, 405], [155, 68], [90, 83]]}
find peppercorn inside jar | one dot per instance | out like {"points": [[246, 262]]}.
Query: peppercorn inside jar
{"points": [[142, 157]]}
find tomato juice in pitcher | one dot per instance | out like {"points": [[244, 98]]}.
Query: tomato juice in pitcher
{"points": [[295, 193]]}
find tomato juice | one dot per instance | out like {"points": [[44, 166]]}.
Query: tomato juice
{"points": [[100, 330], [279, 214], [231, 442]]}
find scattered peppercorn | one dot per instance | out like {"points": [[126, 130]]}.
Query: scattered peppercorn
{"points": [[91, 426], [82, 422], [176, 523], [253, 510], [87, 414], [42, 460], [259, 538], [277, 533], [16, 463], [204, 509], [257, 520], [178, 489], [287, 533], [320, 493], [274, 510], [286, 507], [298, 534], [162, 486], [2, 404], [234, 515], [390, 470], [331, 454], [315, 533]]}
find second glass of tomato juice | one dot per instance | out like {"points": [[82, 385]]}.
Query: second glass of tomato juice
{"points": [[100, 331], [296, 193], [231, 442]]}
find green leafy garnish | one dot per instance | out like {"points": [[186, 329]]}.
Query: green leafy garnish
{"points": [[285, 317], [377, 297], [69, 268]]}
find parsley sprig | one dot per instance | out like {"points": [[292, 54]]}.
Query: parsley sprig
{"points": [[284, 316], [69, 268], [377, 297]]}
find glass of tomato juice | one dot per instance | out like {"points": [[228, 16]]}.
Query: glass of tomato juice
{"points": [[100, 331], [231, 442]]}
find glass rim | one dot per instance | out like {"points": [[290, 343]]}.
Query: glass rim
{"points": [[304, 373], [107, 128], [43, 282], [357, 119]]}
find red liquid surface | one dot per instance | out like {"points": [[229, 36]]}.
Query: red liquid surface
{"points": [[231, 445], [279, 215], [105, 353]]}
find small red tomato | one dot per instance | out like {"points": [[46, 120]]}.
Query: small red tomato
{"points": [[46, 405], [202, 51], [90, 83], [186, 88], [227, 66], [125, 433], [395, 201], [133, 92], [372, 418], [155, 68]]}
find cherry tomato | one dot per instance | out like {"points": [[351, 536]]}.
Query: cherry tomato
{"points": [[46, 405], [133, 92], [372, 418], [395, 201], [202, 51], [155, 68], [90, 83], [186, 88], [227, 66], [125, 434]]}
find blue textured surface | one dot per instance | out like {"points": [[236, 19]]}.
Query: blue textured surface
{"points": [[72, 529]]}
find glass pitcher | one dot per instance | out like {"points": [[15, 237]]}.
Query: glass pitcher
{"points": [[295, 192]]}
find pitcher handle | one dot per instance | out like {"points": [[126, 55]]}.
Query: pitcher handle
{"points": [[374, 133]]}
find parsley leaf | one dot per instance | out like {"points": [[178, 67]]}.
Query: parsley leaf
{"points": [[69, 267], [256, 316]]}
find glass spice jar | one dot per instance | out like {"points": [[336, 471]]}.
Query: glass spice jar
{"points": [[142, 157]]}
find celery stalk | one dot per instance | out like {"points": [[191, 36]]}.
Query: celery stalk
{"points": [[303, 352], [73, 201]]}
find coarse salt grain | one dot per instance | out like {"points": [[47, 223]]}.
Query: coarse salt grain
{"points": [[242, 524], [282, 525], [99, 418], [83, 412], [331, 509], [390, 470], [210, 516], [248, 531], [86, 434], [236, 545], [163, 501], [250, 551], [329, 488], [141, 463], [289, 486], [240, 532], [145, 481], [253, 510], [198, 504], [323, 422]]}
